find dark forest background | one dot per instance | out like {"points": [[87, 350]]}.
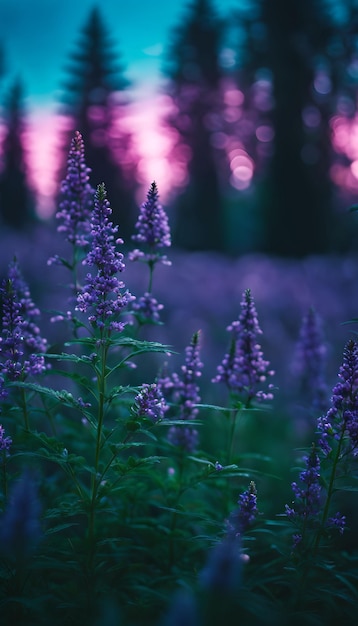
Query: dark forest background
{"points": [[270, 78]]}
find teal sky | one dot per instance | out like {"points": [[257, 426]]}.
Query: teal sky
{"points": [[39, 35]]}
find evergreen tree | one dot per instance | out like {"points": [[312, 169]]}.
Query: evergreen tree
{"points": [[195, 75], [299, 48], [16, 197], [95, 101]]}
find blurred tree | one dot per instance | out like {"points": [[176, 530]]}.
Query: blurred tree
{"points": [[95, 101], [17, 202], [2, 60], [194, 73], [295, 58]]}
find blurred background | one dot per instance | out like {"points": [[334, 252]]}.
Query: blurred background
{"points": [[244, 112]]}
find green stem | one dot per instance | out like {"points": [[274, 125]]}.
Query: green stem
{"points": [[174, 514], [329, 492], [151, 271], [76, 285], [95, 480], [101, 403], [233, 414], [307, 567], [235, 411]]}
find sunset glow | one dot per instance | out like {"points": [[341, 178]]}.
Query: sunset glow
{"points": [[345, 142], [152, 145], [42, 147], [160, 157]]}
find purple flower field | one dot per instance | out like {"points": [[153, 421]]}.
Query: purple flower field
{"points": [[183, 444], [203, 291]]}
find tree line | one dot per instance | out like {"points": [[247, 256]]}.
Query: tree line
{"points": [[262, 83]]}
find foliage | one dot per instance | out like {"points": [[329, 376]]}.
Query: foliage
{"points": [[140, 503]]}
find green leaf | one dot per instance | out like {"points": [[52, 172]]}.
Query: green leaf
{"points": [[227, 409], [168, 422], [347, 583], [48, 391], [126, 342], [64, 356], [60, 527], [214, 407]]}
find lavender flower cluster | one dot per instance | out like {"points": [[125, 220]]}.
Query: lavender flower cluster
{"points": [[152, 229], [150, 403], [308, 499], [5, 442], [147, 308], [246, 513], [102, 294], [76, 202], [308, 503], [340, 423], [183, 391], [153, 233], [309, 362], [338, 437], [243, 368], [21, 342], [223, 569]]}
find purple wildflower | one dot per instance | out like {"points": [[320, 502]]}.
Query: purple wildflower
{"points": [[245, 515], [222, 572], [308, 498], [183, 387], [20, 524], [147, 308], [5, 442], [184, 437], [309, 361], [243, 368], [183, 391], [342, 417], [308, 501], [337, 521], [102, 293], [152, 229], [21, 340], [76, 203], [150, 402]]}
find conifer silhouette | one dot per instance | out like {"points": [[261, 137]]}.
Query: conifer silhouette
{"points": [[16, 196], [303, 52], [194, 81], [94, 99]]}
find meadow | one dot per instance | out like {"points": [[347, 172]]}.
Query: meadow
{"points": [[179, 431]]}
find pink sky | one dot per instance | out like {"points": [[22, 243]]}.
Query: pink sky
{"points": [[153, 144]]}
